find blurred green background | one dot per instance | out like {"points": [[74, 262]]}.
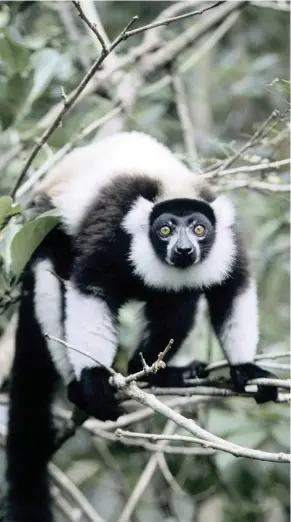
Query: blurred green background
{"points": [[232, 74]]}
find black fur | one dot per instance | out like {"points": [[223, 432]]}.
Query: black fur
{"points": [[96, 260], [94, 395], [107, 269], [30, 429], [161, 244], [242, 373], [169, 316], [182, 207]]}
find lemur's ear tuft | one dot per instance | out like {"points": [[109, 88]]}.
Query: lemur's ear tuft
{"points": [[224, 210]]}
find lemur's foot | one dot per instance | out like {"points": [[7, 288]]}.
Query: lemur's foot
{"points": [[242, 373]]}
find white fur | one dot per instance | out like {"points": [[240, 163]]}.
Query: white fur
{"points": [[76, 180], [133, 325], [240, 335], [89, 328], [7, 348], [157, 274], [47, 300]]}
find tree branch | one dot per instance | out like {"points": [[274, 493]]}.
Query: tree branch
{"points": [[71, 98], [188, 424], [249, 169]]}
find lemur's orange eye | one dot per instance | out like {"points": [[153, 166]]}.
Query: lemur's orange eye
{"points": [[199, 230], [165, 231]]}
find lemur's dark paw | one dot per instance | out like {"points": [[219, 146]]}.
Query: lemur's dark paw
{"points": [[242, 373], [196, 369], [175, 377], [93, 394]]}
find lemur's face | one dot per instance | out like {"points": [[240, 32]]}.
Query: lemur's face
{"points": [[182, 239]]}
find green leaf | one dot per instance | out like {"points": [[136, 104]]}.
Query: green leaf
{"points": [[14, 99], [28, 238], [7, 209], [5, 205], [46, 63], [13, 54]]}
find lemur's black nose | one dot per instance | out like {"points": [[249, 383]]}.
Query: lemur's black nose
{"points": [[184, 250]]}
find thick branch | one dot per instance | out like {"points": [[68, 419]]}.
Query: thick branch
{"points": [[188, 424]]}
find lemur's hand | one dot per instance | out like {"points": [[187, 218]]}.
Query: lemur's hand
{"points": [[242, 373], [93, 394]]}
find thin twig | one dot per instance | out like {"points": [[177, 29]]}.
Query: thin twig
{"points": [[63, 481], [60, 154], [66, 509], [154, 368], [185, 120], [92, 26], [144, 479], [258, 134], [168, 475], [268, 356], [168, 52], [274, 165], [170, 449], [256, 185], [71, 98], [168, 21], [71, 347]]}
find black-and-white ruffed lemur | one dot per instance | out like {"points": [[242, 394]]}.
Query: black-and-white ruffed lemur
{"points": [[135, 224]]}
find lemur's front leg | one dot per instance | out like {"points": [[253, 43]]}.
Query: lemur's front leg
{"points": [[167, 317], [234, 316], [90, 327]]}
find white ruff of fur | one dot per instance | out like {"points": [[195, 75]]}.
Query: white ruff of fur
{"points": [[47, 300], [76, 181], [89, 328], [240, 334], [157, 274]]}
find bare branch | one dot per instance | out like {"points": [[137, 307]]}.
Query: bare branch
{"points": [[156, 366], [92, 26], [167, 474], [188, 424], [278, 383], [256, 185], [170, 449], [268, 356], [71, 347], [168, 21], [68, 20], [249, 169], [272, 4], [169, 52], [73, 96], [261, 131], [185, 120], [63, 482], [39, 173], [144, 479]]}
